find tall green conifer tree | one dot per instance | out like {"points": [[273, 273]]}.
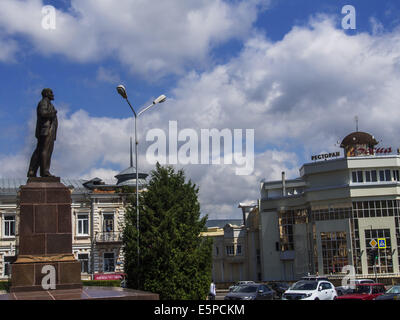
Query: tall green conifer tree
{"points": [[174, 260]]}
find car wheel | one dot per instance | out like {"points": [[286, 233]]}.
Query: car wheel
{"points": [[316, 299]]}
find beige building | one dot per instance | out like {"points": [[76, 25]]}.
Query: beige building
{"points": [[334, 214], [236, 252], [98, 212]]}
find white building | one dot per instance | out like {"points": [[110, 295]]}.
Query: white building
{"points": [[236, 251], [328, 217], [98, 212]]}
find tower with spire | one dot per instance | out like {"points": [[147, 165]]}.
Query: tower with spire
{"points": [[127, 177]]}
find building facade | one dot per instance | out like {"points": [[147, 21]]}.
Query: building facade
{"points": [[335, 214], [236, 250], [98, 213]]}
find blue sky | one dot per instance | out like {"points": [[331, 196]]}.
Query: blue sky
{"points": [[284, 68]]}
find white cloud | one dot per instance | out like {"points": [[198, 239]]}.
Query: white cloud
{"points": [[376, 25], [107, 175], [150, 37], [303, 90], [8, 50], [85, 142], [12, 166], [221, 190], [300, 95], [107, 75]]}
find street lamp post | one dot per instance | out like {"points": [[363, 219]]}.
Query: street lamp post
{"points": [[122, 91]]}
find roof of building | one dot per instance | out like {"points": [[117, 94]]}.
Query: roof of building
{"points": [[358, 137], [220, 223], [248, 204], [12, 185], [127, 177], [213, 232]]}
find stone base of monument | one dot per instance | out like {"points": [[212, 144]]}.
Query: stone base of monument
{"points": [[45, 268], [28, 272], [45, 238]]}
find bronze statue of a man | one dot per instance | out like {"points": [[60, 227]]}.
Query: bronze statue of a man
{"points": [[46, 132]]}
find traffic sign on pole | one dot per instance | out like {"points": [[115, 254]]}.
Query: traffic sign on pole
{"points": [[373, 243], [382, 243]]}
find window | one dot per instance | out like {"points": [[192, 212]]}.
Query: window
{"points": [[329, 286], [384, 264], [334, 251], [9, 226], [83, 224], [239, 249], [388, 175], [384, 175], [108, 223], [375, 289], [326, 286], [84, 260], [109, 262], [7, 265], [216, 250], [357, 176], [396, 175], [371, 176], [230, 250]]}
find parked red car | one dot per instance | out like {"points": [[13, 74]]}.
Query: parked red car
{"points": [[365, 291]]}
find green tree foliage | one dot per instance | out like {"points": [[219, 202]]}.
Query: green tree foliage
{"points": [[174, 260]]}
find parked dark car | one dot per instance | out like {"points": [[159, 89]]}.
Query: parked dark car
{"points": [[392, 294], [240, 283], [254, 291], [366, 291], [279, 288]]}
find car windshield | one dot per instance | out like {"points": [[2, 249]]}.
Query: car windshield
{"points": [[246, 289], [362, 289], [236, 288], [395, 289], [305, 285]]}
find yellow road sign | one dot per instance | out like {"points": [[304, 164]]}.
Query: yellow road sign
{"points": [[373, 243]]}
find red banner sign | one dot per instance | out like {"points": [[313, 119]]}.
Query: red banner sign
{"points": [[108, 276], [353, 152]]}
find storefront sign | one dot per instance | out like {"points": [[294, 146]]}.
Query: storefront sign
{"points": [[111, 276], [325, 156], [353, 152]]}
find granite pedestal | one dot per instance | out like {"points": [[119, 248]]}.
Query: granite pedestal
{"points": [[45, 237]]}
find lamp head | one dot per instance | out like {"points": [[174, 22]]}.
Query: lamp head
{"points": [[160, 99], [122, 91]]}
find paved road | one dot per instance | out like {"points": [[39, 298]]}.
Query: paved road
{"points": [[221, 294]]}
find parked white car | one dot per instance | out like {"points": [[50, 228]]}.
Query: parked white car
{"points": [[311, 290]]}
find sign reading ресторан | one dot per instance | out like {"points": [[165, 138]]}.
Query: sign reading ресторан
{"points": [[325, 156]]}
